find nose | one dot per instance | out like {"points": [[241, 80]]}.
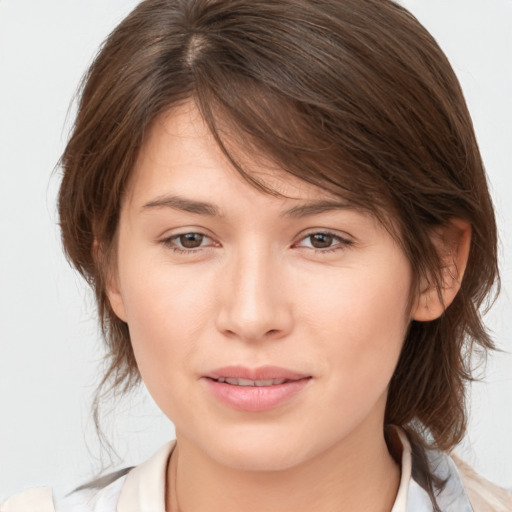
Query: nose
{"points": [[255, 302]]}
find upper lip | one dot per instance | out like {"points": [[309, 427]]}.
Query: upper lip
{"points": [[260, 373]]}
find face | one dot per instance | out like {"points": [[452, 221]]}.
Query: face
{"points": [[266, 328]]}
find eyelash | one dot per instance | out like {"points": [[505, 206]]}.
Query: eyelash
{"points": [[341, 243], [170, 243]]}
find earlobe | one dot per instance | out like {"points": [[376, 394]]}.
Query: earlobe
{"points": [[111, 282], [452, 241], [115, 298]]}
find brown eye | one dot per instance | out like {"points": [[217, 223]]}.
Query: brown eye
{"points": [[324, 242], [321, 240], [191, 240], [188, 243]]}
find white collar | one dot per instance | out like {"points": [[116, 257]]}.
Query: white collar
{"points": [[143, 488]]}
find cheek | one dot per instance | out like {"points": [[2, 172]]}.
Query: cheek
{"points": [[167, 310], [361, 320]]}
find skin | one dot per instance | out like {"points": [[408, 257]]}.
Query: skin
{"points": [[255, 291]]}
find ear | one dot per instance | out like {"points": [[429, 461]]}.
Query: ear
{"points": [[112, 288], [115, 297], [452, 241]]}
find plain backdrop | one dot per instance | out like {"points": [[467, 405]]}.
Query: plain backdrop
{"points": [[50, 349]]}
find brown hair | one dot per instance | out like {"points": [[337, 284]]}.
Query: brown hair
{"points": [[352, 95]]}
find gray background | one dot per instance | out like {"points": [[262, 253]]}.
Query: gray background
{"points": [[50, 350]]}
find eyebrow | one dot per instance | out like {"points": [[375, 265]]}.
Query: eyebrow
{"points": [[209, 209], [187, 205], [317, 207]]}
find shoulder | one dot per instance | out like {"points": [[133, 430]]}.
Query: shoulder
{"points": [[38, 499], [462, 489], [483, 495], [42, 499], [142, 487], [101, 495]]}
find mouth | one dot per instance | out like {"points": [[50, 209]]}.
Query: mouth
{"points": [[256, 390], [260, 376], [250, 382]]}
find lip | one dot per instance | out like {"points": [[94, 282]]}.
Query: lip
{"points": [[256, 398], [260, 373]]}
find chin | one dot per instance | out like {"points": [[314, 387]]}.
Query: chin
{"points": [[262, 451], [260, 459]]}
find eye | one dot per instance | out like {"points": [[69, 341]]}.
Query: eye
{"points": [[324, 241], [187, 242], [321, 240], [190, 240]]}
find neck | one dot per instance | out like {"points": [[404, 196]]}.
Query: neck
{"points": [[356, 475]]}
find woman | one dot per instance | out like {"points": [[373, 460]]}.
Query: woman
{"points": [[282, 209]]}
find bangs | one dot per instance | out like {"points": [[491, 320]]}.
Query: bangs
{"points": [[256, 126]]}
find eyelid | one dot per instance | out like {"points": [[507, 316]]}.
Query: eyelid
{"points": [[169, 240], [344, 240]]}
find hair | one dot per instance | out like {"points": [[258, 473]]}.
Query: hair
{"points": [[354, 96]]}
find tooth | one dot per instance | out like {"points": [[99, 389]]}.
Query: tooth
{"points": [[249, 382], [264, 382], [246, 382]]}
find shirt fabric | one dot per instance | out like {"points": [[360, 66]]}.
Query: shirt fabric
{"points": [[143, 488]]}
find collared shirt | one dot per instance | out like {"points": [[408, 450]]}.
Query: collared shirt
{"points": [[142, 489]]}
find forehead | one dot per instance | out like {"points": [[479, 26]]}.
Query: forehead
{"points": [[180, 153]]}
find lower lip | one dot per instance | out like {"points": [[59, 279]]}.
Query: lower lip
{"points": [[256, 398]]}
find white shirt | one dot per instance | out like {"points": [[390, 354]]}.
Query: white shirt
{"points": [[142, 489]]}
